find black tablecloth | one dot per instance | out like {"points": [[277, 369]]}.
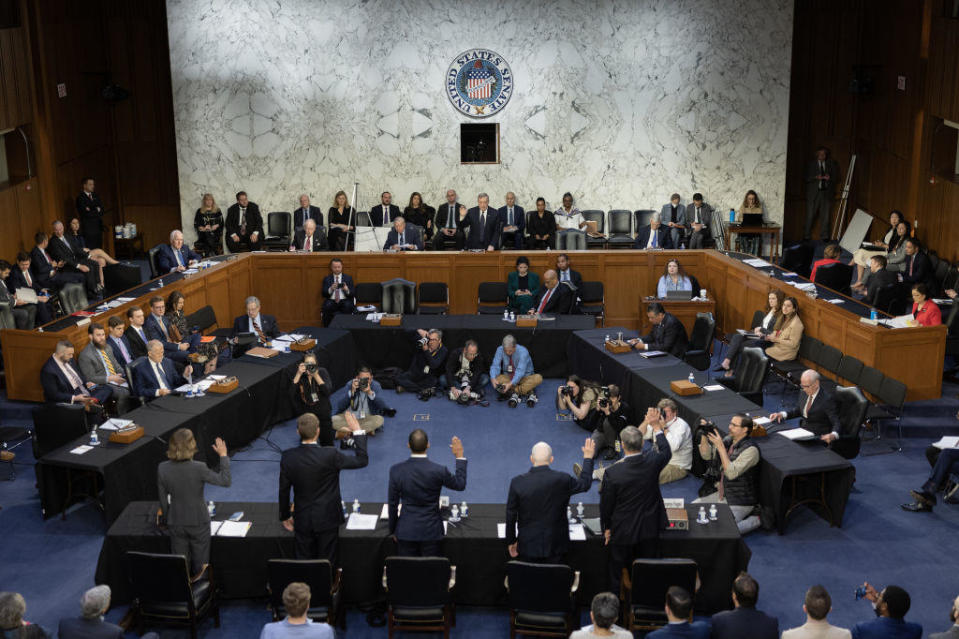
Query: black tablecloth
{"points": [[382, 346], [472, 545], [128, 472]]}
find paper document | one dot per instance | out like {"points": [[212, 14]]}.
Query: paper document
{"points": [[747, 334], [374, 317], [649, 354], [797, 434], [757, 263], [836, 300], [902, 321], [501, 530], [216, 378], [79, 450], [359, 521], [577, 532], [115, 423], [947, 442], [385, 513], [940, 302], [203, 385], [365, 309], [125, 299], [215, 526], [713, 387], [234, 528], [761, 421], [27, 295]]}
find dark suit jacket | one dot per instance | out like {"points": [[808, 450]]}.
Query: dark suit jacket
{"points": [[299, 218], [328, 282], [166, 257], [153, 331], [145, 380], [40, 268], [663, 239], [62, 249], [89, 208], [417, 483], [319, 240], [705, 216], [376, 214], [823, 414], [630, 503], [17, 280], [921, 268], [537, 501], [744, 622], [480, 238], [558, 303], [180, 487], [574, 277], [442, 211], [519, 218], [138, 347], [669, 335], [254, 221], [313, 472], [410, 236], [685, 630], [80, 628], [268, 325], [812, 170], [56, 386], [878, 280], [952, 633], [117, 353]]}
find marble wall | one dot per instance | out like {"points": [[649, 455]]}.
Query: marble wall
{"points": [[620, 102]]}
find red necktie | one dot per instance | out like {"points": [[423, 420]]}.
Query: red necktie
{"points": [[808, 406], [542, 304], [912, 261]]}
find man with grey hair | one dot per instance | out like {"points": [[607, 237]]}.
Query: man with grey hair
{"points": [[484, 226], [603, 612], [537, 506], [817, 409], [512, 219], [308, 240], [403, 237], [261, 325], [90, 625], [306, 212], [428, 365], [653, 235], [175, 256], [512, 374], [74, 261], [631, 507]]}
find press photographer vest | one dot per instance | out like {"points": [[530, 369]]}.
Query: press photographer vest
{"points": [[742, 490]]}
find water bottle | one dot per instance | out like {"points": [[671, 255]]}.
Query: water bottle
{"points": [[692, 378], [505, 314], [569, 515], [607, 338], [580, 510], [356, 505], [512, 316], [94, 437], [343, 508], [713, 513], [701, 518], [160, 283], [211, 508], [454, 513], [873, 315], [732, 216], [464, 510]]}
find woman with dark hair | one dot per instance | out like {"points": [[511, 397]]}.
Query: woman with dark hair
{"points": [[542, 226], [341, 218], [180, 483], [311, 387], [79, 245], [569, 225], [862, 256], [896, 256], [925, 311], [787, 335], [176, 313], [522, 286], [773, 311], [579, 397], [419, 214], [674, 278], [208, 223]]}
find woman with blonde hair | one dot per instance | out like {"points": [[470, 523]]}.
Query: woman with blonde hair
{"points": [[208, 222], [340, 217], [751, 205]]}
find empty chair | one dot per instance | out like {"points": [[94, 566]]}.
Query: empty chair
{"points": [[798, 258], [56, 425], [399, 296], [163, 593], [646, 590], [850, 368], [434, 298], [418, 594], [152, 258], [593, 215], [541, 598], [838, 277], [893, 299], [700, 347], [829, 359], [750, 375], [492, 298], [852, 414], [621, 232], [277, 231], [892, 396], [73, 298], [368, 294], [318, 575], [592, 300], [120, 277], [204, 319], [870, 380]]}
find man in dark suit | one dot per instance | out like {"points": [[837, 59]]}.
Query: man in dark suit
{"points": [[306, 212], [157, 377], [175, 256], [553, 297], [244, 225], [679, 613], [313, 472], [95, 603], [417, 483], [262, 325], [135, 333], [24, 315], [817, 408], [744, 620], [512, 221], [917, 267], [49, 272], [879, 278], [157, 326], [308, 239], [118, 342], [384, 213], [483, 224], [653, 235], [890, 606], [337, 292], [820, 176], [537, 503], [566, 273], [449, 217], [699, 217], [90, 209], [62, 382], [631, 507], [61, 250], [402, 237], [668, 333], [21, 277]]}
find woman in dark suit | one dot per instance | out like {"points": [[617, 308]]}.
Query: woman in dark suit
{"points": [[341, 218], [523, 286], [311, 388], [772, 313], [420, 214], [180, 484], [542, 226]]}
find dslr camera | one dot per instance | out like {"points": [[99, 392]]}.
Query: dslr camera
{"points": [[311, 367], [603, 400], [423, 341], [364, 383], [500, 388], [566, 390]]}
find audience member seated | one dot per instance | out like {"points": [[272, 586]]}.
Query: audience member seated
{"points": [[403, 237], [135, 333], [421, 215], [817, 408], [667, 334], [297, 624], [466, 374], [890, 606], [62, 251], [733, 464], [566, 273], [679, 613], [175, 256], [337, 292], [79, 244], [260, 324], [157, 377], [341, 218], [98, 365], [157, 327], [512, 220], [603, 612], [208, 224], [749, 242], [896, 256], [24, 314], [62, 382], [50, 274], [946, 464], [308, 240], [362, 397], [483, 225], [553, 298], [674, 217], [12, 623], [879, 278], [311, 391], [699, 218], [925, 311], [512, 374], [569, 226], [744, 620], [674, 278], [580, 399], [916, 267], [90, 624], [862, 256], [613, 415], [537, 504], [118, 342], [654, 235], [830, 256], [817, 605], [953, 632], [244, 225], [175, 309], [21, 277], [307, 212], [773, 312], [428, 365], [385, 212], [522, 286], [542, 227], [448, 219], [787, 334]]}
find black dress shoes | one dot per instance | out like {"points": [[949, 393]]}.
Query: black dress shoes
{"points": [[917, 507], [923, 497], [389, 412]]}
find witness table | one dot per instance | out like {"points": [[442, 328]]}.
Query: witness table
{"points": [[382, 346], [240, 564]]}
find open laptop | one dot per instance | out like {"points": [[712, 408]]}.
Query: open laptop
{"points": [[683, 295], [752, 219]]}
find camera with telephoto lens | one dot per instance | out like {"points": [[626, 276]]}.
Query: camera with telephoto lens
{"points": [[513, 403], [423, 341], [501, 388], [708, 426], [310, 367], [363, 383], [463, 399], [603, 400]]}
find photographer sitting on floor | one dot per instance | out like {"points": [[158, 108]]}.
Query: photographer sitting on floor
{"points": [[363, 397], [428, 365], [465, 374], [580, 399]]}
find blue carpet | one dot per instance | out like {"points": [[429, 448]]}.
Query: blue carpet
{"points": [[52, 562]]}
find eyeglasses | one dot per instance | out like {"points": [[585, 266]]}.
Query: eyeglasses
{"points": [[805, 386]]}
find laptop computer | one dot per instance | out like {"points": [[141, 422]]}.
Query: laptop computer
{"points": [[752, 219], [682, 295]]}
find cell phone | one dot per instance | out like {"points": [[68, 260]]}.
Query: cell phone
{"points": [[237, 516]]}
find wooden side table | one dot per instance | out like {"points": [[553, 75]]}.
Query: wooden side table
{"points": [[772, 231]]}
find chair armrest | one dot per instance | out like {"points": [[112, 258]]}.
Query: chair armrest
{"points": [[575, 586], [337, 579], [385, 587], [452, 576]]}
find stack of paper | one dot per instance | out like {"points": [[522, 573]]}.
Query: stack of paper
{"points": [[713, 387], [114, 423], [79, 450], [797, 434], [577, 532], [359, 521], [947, 442], [902, 321], [757, 263], [233, 528], [374, 317], [501, 530]]}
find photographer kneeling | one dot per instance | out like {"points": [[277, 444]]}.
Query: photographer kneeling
{"points": [[465, 374], [579, 398], [428, 365], [735, 467], [311, 394], [613, 415]]}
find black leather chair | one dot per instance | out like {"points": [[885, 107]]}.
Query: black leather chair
{"points": [[700, 347], [541, 598], [204, 318], [852, 415], [850, 368], [642, 216], [645, 590], [893, 299], [399, 296], [324, 586], [73, 298], [152, 258], [621, 233], [56, 425], [418, 594], [829, 359], [592, 300], [491, 298], [836, 276], [120, 277], [434, 298], [133, 376], [278, 234], [892, 396], [368, 294], [798, 258], [593, 215], [749, 376], [163, 593]]}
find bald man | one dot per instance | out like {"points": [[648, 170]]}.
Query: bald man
{"points": [[553, 297], [817, 409], [537, 504], [512, 223]]}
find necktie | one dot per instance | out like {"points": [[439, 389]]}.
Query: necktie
{"points": [[47, 257], [402, 239], [482, 220], [75, 379], [509, 217], [308, 243], [912, 260], [306, 214], [163, 327], [672, 214], [386, 214], [123, 349], [139, 331], [111, 369], [822, 171], [259, 332], [655, 237], [449, 218], [697, 215], [242, 220], [161, 376], [179, 257], [336, 291], [26, 276], [542, 304], [805, 412]]}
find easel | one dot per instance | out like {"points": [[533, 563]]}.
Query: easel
{"points": [[841, 217]]}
